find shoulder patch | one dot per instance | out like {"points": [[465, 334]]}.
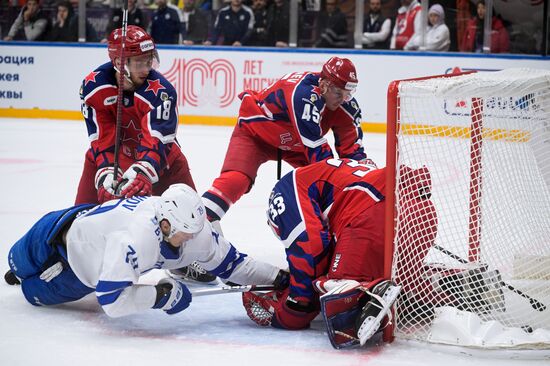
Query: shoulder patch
{"points": [[91, 77], [154, 86]]}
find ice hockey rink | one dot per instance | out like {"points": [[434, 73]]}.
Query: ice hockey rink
{"points": [[40, 165]]}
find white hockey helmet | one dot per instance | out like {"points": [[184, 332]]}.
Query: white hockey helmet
{"points": [[183, 208]]}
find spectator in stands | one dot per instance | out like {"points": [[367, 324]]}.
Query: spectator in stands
{"points": [[376, 28], [437, 36], [408, 22], [135, 17], [167, 23], [278, 18], [332, 27], [195, 22], [259, 34], [472, 40], [65, 27], [235, 23], [31, 24]]}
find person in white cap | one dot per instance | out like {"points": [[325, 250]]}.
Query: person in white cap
{"points": [[437, 35]]}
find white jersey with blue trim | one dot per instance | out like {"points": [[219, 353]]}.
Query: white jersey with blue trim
{"points": [[110, 246]]}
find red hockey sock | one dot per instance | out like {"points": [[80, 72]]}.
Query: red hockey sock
{"points": [[227, 189]]}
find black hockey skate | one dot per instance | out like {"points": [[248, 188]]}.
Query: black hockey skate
{"points": [[11, 279], [383, 295], [193, 272]]}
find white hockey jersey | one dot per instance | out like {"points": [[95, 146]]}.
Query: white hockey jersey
{"points": [[110, 246]]}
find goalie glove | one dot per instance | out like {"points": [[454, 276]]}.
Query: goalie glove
{"points": [[172, 296], [138, 180], [105, 183], [278, 309]]}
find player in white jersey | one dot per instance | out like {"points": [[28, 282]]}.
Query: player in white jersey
{"points": [[70, 253]]}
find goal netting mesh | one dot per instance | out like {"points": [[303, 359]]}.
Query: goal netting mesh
{"points": [[484, 140]]}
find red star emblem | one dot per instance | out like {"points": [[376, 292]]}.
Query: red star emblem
{"points": [[154, 86], [131, 133], [91, 77]]}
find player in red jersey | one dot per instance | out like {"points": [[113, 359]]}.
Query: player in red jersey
{"points": [[150, 157], [290, 118], [330, 218]]}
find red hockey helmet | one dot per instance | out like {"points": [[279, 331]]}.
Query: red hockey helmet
{"points": [[341, 72], [138, 42]]}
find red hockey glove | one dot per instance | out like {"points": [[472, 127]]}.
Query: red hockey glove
{"points": [[277, 309], [138, 180], [105, 184]]}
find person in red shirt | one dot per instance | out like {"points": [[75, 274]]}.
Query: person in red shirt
{"points": [[150, 157], [289, 119], [330, 218], [472, 40], [407, 23]]}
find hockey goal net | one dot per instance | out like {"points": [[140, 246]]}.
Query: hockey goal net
{"points": [[474, 264]]}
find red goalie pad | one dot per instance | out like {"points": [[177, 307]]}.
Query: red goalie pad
{"points": [[353, 316]]}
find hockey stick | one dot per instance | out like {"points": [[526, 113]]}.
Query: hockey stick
{"points": [[120, 97], [535, 304], [230, 289], [279, 163]]}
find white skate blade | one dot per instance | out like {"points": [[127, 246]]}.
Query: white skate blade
{"points": [[371, 324]]}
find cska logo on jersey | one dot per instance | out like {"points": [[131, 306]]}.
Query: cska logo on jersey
{"points": [[154, 86], [131, 132], [91, 77]]}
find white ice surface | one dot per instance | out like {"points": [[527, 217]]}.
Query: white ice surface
{"points": [[40, 165]]}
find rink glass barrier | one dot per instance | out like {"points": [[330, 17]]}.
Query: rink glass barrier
{"points": [[525, 22]]}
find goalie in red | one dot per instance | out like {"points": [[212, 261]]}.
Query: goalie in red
{"points": [[330, 218], [150, 156], [288, 121]]}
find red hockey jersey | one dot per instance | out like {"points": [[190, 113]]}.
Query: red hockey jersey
{"points": [[311, 206], [342, 189], [291, 115], [149, 119]]}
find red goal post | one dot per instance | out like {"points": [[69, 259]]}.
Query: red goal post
{"points": [[484, 141]]}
